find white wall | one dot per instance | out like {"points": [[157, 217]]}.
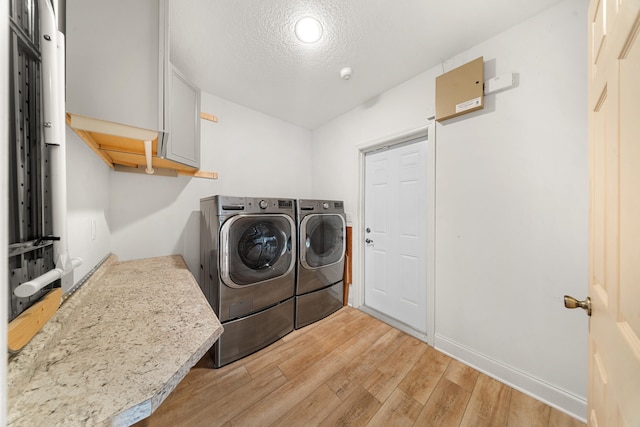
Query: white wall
{"points": [[511, 208], [88, 205], [254, 155]]}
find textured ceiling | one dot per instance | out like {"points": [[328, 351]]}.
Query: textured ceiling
{"points": [[246, 50]]}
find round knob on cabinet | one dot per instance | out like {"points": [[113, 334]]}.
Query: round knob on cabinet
{"points": [[263, 204], [325, 205]]}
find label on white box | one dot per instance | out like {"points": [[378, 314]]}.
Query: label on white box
{"points": [[467, 105]]}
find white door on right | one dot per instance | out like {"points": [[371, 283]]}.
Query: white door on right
{"points": [[395, 234], [614, 267]]}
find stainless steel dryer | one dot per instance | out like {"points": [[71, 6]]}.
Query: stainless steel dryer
{"points": [[322, 239], [247, 271]]}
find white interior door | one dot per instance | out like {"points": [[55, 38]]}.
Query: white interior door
{"points": [[395, 233], [614, 267]]}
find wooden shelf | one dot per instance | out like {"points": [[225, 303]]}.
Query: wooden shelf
{"points": [[128, 152]]}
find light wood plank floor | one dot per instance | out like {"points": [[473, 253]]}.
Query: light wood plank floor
{"points": [[348, 369]]}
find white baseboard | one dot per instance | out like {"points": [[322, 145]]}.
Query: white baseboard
{"points": [[557, 398], [396, 324]]}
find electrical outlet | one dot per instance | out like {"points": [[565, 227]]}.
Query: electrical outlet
{"points": [[349, 218]]}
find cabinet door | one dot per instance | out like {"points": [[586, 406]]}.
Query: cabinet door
{"points": [[116, 51], [183, 141]]}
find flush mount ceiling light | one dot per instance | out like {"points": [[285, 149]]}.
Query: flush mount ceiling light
{"points": [[308, 30]]}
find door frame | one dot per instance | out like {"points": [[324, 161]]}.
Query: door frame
{"points": [[4, 200], [429, 131]]}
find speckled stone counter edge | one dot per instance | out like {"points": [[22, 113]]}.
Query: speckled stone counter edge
{"points": [[146, 408], [22, 366]]}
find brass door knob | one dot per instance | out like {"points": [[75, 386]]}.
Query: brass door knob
{"points": [[571, 302]]}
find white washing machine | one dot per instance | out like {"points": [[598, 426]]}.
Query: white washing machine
{"points": [[321, 250], [247, 271]]}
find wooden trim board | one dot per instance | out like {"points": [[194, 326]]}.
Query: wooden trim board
{"points": [[30, 321], [209, 117]]}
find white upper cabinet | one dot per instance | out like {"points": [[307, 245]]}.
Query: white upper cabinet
{"points": [[184, 120], [118, 71], [116, 55]]}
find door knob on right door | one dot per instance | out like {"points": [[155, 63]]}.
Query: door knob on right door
{"points": [[571, 302]]}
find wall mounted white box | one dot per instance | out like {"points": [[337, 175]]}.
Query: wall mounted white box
{"points": [[498, 83]]}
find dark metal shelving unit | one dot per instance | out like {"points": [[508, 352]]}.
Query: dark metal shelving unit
{"points": [[30, 213]]}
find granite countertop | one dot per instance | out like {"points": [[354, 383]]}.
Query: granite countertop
{"points": [[115, 349]]}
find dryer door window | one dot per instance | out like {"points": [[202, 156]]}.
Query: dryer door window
{"points": [[256, 248], [322, 240]]}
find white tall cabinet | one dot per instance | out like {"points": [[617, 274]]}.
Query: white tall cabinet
{"points": [[184, 120], [118, 71]]}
